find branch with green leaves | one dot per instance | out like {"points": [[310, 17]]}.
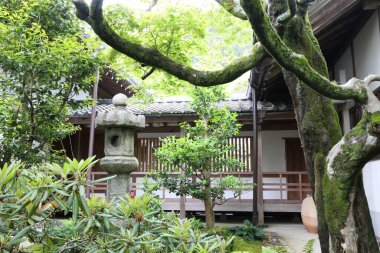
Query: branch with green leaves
{"points": [[93, 15], [297, 63]]}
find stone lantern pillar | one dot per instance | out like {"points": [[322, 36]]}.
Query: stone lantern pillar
{"points": [[120, 125]]}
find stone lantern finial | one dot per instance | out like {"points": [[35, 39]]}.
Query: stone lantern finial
{"points": [[120, 125], [120, 100]]}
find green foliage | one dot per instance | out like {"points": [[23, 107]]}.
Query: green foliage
{"points": [[279, 249], [308, 248], [45, 60], [30, 198], [248, 231], [243, 246], [202, 151], [184, 33]]}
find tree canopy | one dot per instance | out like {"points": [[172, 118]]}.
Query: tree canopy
{"points": [[45, 59], [184, 33]]}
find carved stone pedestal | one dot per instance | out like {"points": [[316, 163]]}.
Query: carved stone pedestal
{"points": [[120, 126]]}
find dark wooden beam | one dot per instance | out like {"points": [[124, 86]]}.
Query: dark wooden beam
{"points": [[322, 18], [80, 120], [371, 4], [348, 39]]}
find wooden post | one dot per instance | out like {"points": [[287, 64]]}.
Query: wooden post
{"points": [[182, 201], [260, 199], [254, 153], [79, 145], [92, 127]]}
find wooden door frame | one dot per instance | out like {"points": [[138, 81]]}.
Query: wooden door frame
{"points": [[290, 193]]}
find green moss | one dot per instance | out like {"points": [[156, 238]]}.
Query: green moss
{"points": [[241, 245], [375, 121], [336, 204], [337, 189], [347, 165], [375, 117]]}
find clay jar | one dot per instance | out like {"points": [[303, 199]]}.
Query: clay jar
{"points": [[309, 215]]}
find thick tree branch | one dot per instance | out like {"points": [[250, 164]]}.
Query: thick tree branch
{"points": [[344, 164], [372, 104], [152, 4], [291, 61], [148, 73], [152, 57], [289, 14], [233, 7]]}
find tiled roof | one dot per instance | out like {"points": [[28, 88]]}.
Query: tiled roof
{"points": [[183, 107]]}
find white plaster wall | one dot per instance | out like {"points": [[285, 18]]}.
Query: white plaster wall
{"points": [[371, 177], [274, 149], [273, 159], [344, 64], [367, 49], [367, 61]]}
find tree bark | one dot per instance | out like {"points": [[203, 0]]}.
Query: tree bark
{"points": [[306, 109], [346, 207], [317, 123], [209, 209], [317, 120]]}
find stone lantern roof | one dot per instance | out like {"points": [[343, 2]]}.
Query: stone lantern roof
{"points": [[120, 115]]}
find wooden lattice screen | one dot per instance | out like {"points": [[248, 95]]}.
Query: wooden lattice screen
{"points": [[145, 153]]}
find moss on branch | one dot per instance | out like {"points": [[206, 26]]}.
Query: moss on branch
{"points": [[152, 57], [233, 8], [344, 166], [291, 61]]}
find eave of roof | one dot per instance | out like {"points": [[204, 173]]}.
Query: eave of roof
{"points": [[176, 108]]}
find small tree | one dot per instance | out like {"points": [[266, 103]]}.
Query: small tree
{"points": [[45, 60], [201, 152]]}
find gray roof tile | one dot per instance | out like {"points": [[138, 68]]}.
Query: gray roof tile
{"points": [[182, 107]]}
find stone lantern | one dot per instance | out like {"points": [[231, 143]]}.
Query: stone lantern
{"points": [[120, 125]]}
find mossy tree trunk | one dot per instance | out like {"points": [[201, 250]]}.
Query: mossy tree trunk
{"points": [[345, 203], [317, 120], [316, 141]]}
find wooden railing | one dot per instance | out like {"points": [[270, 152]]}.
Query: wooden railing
{"points": [[145, 149], [277, 187], [100, 188], [285, 187], [136, 178]]}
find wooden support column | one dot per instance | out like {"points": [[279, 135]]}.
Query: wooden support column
{"points": [[79, 144], [182, 201], [254, 154], [260, 199]]}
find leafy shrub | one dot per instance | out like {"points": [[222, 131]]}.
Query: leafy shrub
{"points": [[30, 198], [279, 249], [308, 248], [248, 231]]}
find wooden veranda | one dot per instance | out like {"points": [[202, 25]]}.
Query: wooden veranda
{"points": [[277, 191]]}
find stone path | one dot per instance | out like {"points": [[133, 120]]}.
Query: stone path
{"points": [[295, 236]]}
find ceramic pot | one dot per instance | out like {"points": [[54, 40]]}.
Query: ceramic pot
{"points": [[309, 215]]}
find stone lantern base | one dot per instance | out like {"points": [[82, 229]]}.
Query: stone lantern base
{"points": [[121, 166]]}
